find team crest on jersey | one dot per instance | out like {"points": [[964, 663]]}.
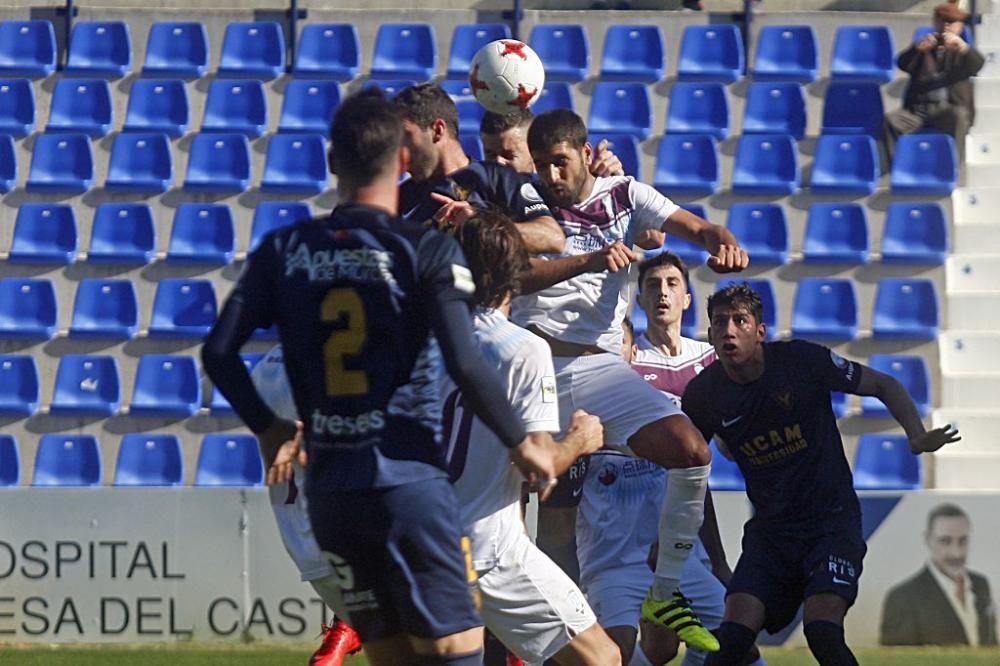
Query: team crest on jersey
{"points": [[607, 475], [549, 392], [530, 194], [783, 398]]}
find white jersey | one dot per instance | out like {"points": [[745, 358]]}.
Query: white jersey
{"points": [[488, 486], [589, 308]]}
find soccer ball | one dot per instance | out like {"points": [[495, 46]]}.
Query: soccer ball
{"points": [[506, 74]]}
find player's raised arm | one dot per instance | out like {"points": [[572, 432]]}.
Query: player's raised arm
{"points": [[727, 255], [543, 274]]}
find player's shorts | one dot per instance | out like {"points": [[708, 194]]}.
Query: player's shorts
{"points": [[291, 512], [569, 490], [530, 604], [784, 567], [606, 386], [399, 558]]}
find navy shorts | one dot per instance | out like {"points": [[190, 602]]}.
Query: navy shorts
{"points": [[400, 558], [782, 568], [568, 491]]}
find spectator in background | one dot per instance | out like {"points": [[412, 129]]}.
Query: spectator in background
{"points": [[939, 93], [944, 603]]}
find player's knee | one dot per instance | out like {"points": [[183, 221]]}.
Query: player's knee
{"points": [[465, 659], [826, 642], [594, 647], [735, 640]]}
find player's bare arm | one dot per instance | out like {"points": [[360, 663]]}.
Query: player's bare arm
{"points": [[585, 436], [899, 403], [542, 235], [727, 255], [535, 458], [544, 274]]}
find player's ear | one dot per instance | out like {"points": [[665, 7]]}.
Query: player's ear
{"points": [[404, 159], [439, 129], [761, 331], [588, 153], [687, 300]]}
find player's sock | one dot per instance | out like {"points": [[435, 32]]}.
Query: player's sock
{"points": [[680, 519], [329, 591], [465, 659], [639, 657], [826, 641], [735, 640]]}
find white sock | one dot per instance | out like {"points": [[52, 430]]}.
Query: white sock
{"points": [[328, 590], [681, 516], [639, 657]]}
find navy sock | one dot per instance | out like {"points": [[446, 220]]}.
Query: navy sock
{"points": [[826, 640], [735, 640]]}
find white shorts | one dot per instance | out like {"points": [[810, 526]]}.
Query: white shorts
{"points": [[617, 594], [292, 515], [530, 604], [606, 386]]}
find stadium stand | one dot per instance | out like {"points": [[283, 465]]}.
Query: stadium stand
{"points": [[18, 386], [852, 108], [687, 164], [466, 41], [725, 474], [219, 162], [405, 51], [825, 309], [229, 460], [100, 48], [61, 164], [149, 460], [27, 48], [295, 164], [699, 108], [915, 233], [775, 108], [236, 106], [845, 165], [176, 49], [218, 405], [17, 107], [621, 107], [632, 53], [555, 95], [67, 460], [158, 105], [10, 462], [762, 230], [836, 234], [884, 462], [308, 106], [44, 234], [140, 163], [86, 386], [905, 309], [711, 53], [863, 53], [911, 372], [105, 309], [28, 309], [328, 50], [925, 164], [122, 234], [472, 145], [253, 50], [183, 308], [565, 50], [766, 164], [270, 215], [82, 106], [8, 164], [202, 234], [786, 53], [166, 386]]}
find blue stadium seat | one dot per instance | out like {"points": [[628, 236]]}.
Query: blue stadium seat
{"points": [[149, 460], [388, 86], [725, 474], [271, 215], [328, 51], [763, 231], [202, 234], [623, 108], [295, 164], [105, 309], [864, 53], [915, 233], [82, 106], [308, 106], [699, 108], [853, 108], [229, 459], [625, 146], [405, 51], [166, 386], [825, 309], [17, 107], [775, 108], [905, 309], [466, 41], [218, 163], [44, 234], [845, 164], [764, 289], [711, 53], [27, 309], [687, 164], [236, 106], [18, 386], [61, 164], [925, 30], [86, 386], [838, 401], [219, 405], [176, 49], [8, 164], [253, 50], [836, 233], [140, 163], [766, 164], [122, 234], [470, 111], [924, 164], [472, 145], [27, 48], [885, 462], [10, 462], [555, 95], [564, 49], [67, 460], [786, 53], [911, 372], [692, 254], [100, 48], [158, 105], [632, 53], [183, 308]]}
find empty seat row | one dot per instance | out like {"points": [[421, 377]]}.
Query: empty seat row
{"points": [[144, 459]]}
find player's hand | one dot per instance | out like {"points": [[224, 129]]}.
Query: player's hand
{"points": [[589, 429], [651, 239], [953, 42], [452, 213], [927, 44], [932, 440], [281, 445], [605, 162], [613, 258], [535, 457], [729, 259]]}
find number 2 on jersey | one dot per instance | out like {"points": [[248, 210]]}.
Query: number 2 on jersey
{"points": [[344, 303]]}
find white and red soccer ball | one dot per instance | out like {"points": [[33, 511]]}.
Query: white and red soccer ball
{"points": [[506, 74]]}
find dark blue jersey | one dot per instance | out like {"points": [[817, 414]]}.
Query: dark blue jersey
{"points": [[482, 184], [354, 297], [782, 432]]}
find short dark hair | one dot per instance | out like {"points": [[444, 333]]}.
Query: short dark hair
{"points": [[496, 255], [495, 124], [946, 510], [424, 103], [365, 135], [740, 295], [663, 259], [556, 126], [628, 327]]}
